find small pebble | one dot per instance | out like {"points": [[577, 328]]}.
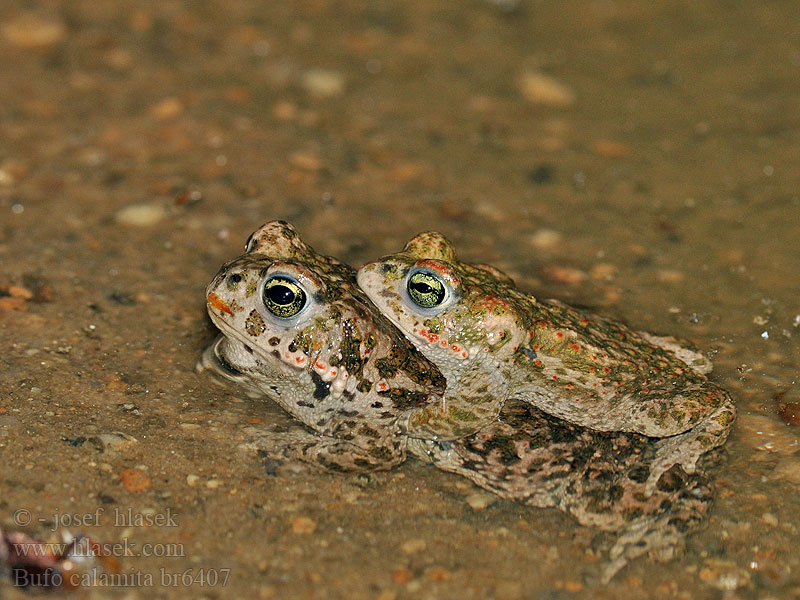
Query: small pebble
{"points": [[545, 90], [480, 500], [439, 574], [322, 83], [303, 525], [603, 272], [31, 32], [192, 480], [13, 303], [671, 276], [561, 274], [406, 171], [541, 174], [545, 239], [114, 441], [402, 575], [135, 480], [413, 546], [19, 292], [572, 586], [610, 149], [306, 160], [724, 575], [213, 484], [770, 519], [168, 108], [141, 215]]}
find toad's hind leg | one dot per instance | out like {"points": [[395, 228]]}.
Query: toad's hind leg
{"points": [[526, 455], [686, 448], [662, 535], [612, 497], [597, 478]]}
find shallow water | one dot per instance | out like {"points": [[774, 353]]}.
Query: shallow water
{"points": [[654, 178]]}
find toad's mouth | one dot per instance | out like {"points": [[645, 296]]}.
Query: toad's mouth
{"points": [[254, 353], [219, 360], [212, 360]]}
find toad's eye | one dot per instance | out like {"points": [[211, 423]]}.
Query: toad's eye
{"points": [[283, 297], [426, 290]]}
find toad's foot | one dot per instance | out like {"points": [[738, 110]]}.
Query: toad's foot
{"points": [[340, 455], [297, 445], [685, 449], [663, 537]]}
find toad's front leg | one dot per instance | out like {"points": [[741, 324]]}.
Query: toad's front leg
{"points": [[359, 450]]}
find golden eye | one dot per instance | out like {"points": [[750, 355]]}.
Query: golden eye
{"points": [[283, 297], [425, 289]]}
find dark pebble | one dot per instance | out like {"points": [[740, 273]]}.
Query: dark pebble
{"points": [[541, 174]]}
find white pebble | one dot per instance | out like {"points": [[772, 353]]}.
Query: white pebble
{"points": [[323, 83], [141, 215], [545, 239], [480, 500], [545, 90]]}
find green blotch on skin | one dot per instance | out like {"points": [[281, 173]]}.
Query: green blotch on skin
{"points": [[303, 340], [391, 272], [254, 325], [725, 418], [252, 285], [350, 349], [461, 415], [434, 325]]}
